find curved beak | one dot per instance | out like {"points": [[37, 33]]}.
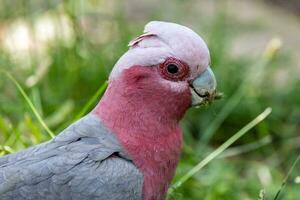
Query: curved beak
{"points": [[203, 88]]}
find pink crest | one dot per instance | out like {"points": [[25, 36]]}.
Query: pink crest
{"points": [[136, 41]]}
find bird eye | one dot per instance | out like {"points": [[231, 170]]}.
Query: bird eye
{"points": [[174, 69]]}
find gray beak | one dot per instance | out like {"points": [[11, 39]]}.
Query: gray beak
{"points": [[203, 88]]}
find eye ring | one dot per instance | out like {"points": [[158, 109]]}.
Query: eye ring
{"points": [[174, 69]]}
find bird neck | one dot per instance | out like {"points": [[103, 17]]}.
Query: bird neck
{"points": [[145, 118]]}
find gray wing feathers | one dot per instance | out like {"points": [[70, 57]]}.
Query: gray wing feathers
{"points": [[77, 164]]}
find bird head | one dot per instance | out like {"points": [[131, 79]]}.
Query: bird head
{"points": [[164, 72], [178, 58]]}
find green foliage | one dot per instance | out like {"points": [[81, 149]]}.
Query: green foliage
{"points": [[63, 82]]}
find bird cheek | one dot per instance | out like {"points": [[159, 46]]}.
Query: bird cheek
{"points": [[135, 74], [177, 87]]}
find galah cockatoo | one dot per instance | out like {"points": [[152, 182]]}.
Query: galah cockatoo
{"points": [[128, 146]]}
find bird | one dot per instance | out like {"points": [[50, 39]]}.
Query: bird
{"points": [[129, 144]]}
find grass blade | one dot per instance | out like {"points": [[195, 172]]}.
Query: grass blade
{"points": [[219, 150], [92, 100], [28, 101], [235, 151], [6, 148], [286, 178], [251, 80]]}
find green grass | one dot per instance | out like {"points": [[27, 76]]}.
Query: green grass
{"points": [[219, 150], [75, 78], [30, 104]]}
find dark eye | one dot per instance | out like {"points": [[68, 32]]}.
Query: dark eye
{"points": [[172, 68]]}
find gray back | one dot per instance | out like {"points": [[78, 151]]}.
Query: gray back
{"points": [[85, 161]]}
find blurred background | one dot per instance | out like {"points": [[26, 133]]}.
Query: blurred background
{"points": [[61, 53]]}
